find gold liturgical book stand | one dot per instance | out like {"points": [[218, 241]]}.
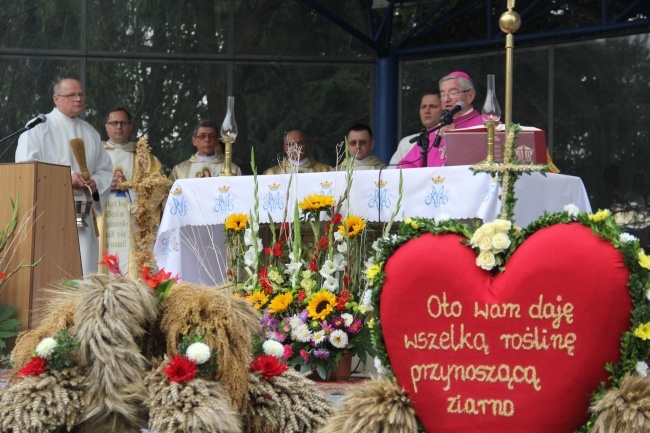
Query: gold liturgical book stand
{"points": [[51, 231]]}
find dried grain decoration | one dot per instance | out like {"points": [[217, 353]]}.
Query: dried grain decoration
{"points": [[626, 409], [110, 318], [227, 323], [288, 403], [43, 403], [376, 406], [198, 406]]}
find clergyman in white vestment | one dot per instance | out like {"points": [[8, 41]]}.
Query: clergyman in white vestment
{"points": [[50, 142]]}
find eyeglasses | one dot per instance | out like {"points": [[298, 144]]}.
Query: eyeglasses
{"points": [[452, 93], [204, 136], [73, 96], [358, 142], [116, 123]]}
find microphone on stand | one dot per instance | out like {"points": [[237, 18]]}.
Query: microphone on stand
{"points": [[447, 117], [35, 121]]}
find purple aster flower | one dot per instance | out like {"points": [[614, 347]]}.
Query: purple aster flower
{"points": [[321, 353], [304, 315], [337, 322]]}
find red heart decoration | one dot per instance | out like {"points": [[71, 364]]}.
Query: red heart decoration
{"points": [[554, 319]]}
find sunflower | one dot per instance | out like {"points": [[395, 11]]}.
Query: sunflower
{"points": [[315, 202], [353, 224], [236, 221], [258, 299], [281, 302], [321, 304]]}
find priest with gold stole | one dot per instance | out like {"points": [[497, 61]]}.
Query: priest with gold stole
{"points": [[65, 139], [116, 226]]}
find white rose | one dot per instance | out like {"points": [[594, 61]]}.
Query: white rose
{"points": [[46, 347], [642, 368], [486, 260], [500, 242], [198, 352], [442, 217], [501, 226], [485, 243]]}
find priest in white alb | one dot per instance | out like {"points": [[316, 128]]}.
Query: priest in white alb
{"points": [[116, 226], [65, 139]]}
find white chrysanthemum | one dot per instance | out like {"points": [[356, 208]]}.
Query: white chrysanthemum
{"points": [[273, 348], [295, 321], [379, 367], [572, 210], [329, 267], [331, 284], [626, 237], [347, 318], [342, 247], [302, 334], [642, 368], [442, 218], [318, 337], [46, 347], [338, 237], [339, 339], [198, 352]]}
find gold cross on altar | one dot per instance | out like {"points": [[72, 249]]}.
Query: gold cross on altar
{"points": [[508, 172], [144, 186]]}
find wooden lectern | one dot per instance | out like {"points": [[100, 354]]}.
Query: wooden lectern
{"points": [[51, 232]]}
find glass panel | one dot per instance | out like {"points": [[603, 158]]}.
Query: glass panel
{"points": [[278, 27], [197, 26], [26, 89], [42, 24], [165, 99], [602, 100], [321, 100]]}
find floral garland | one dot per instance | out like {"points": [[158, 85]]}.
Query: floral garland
{"points": [[500, 239]]}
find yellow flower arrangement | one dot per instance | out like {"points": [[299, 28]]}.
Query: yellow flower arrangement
{"points": [[280, 302], [236, 221], [321, 305], [353, 225]]}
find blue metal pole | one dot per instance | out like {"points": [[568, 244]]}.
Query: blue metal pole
{"points": [[386, 85]]}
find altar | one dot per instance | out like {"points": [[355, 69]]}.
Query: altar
{"points": [[191, 240]]}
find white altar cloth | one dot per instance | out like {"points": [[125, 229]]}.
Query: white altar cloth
{"points": [[191, 240]]}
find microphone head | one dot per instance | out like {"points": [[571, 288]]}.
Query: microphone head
{"points": [[42, 117], [460, 104]]}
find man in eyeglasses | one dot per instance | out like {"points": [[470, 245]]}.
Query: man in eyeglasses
{"points": [[208, 160], [454, 88], [65, 139], [360, 147], [115, 229], [296, 147]]}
